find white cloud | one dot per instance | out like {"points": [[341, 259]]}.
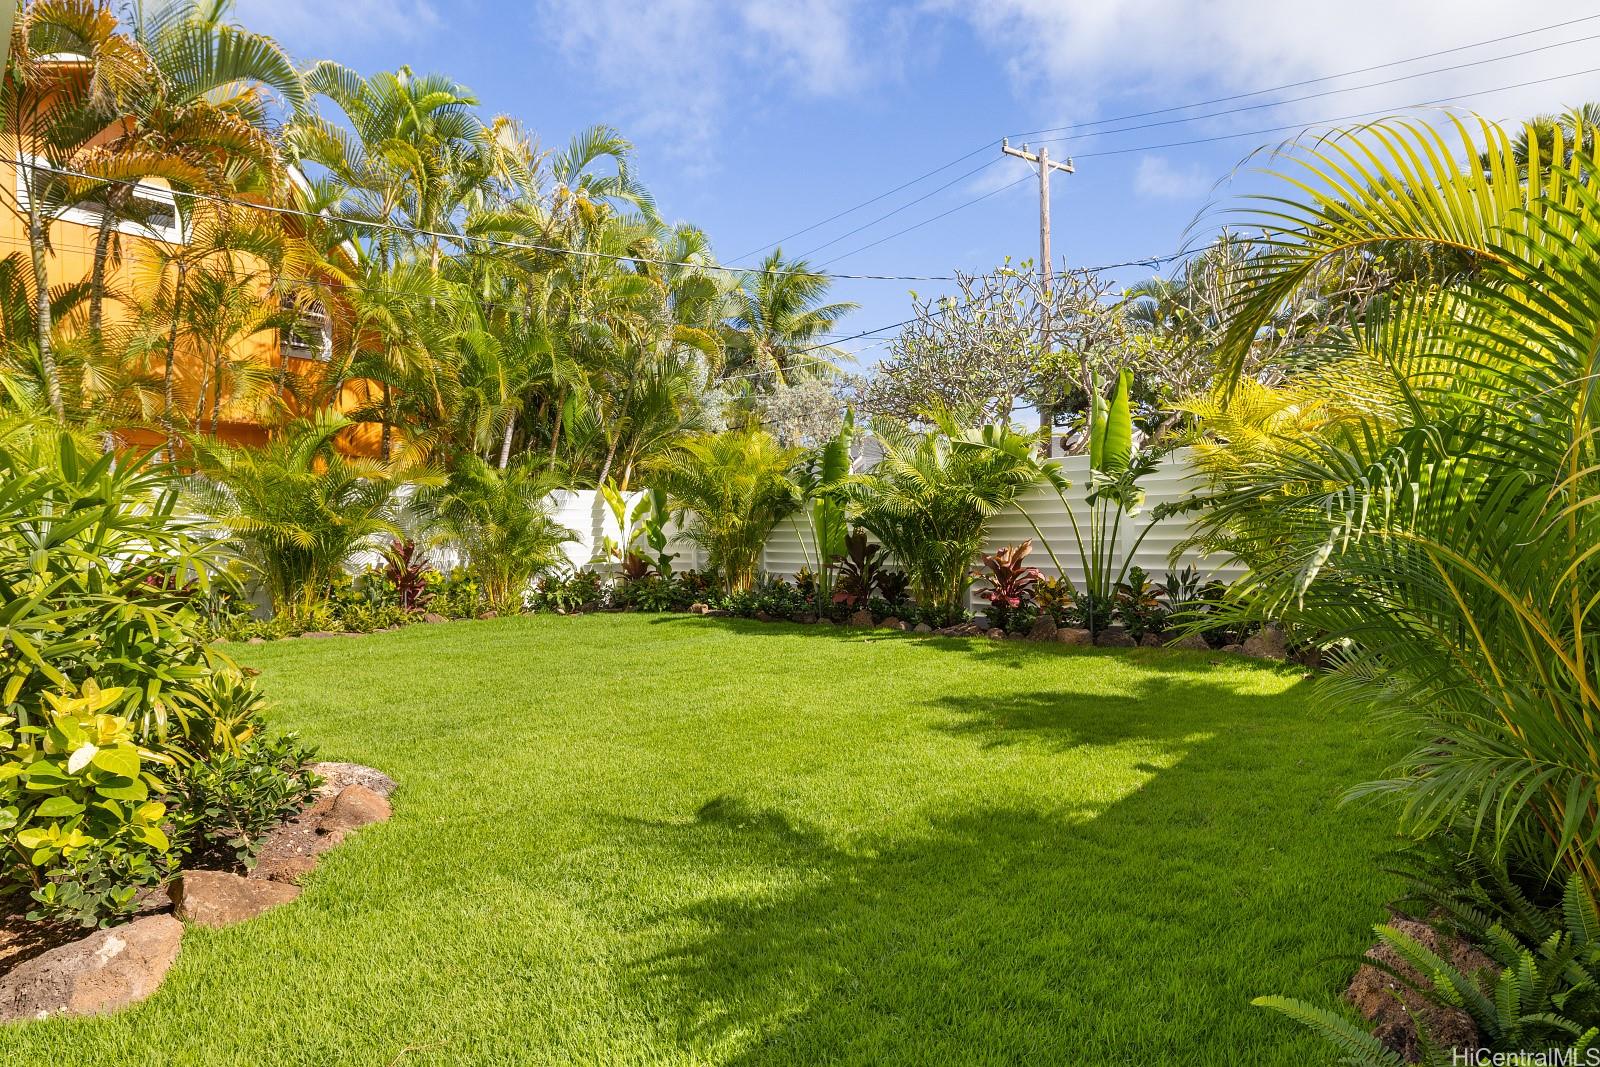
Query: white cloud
{"points": [[1092, 58], [682, 65], [1159, 177], [313, 27]]}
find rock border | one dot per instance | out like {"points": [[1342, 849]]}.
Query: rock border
{"points": [[118, 967]]}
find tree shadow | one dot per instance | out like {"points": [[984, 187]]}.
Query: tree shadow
{"points": [[1012, 933]]}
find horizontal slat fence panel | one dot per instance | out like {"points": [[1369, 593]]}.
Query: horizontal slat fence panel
{"points": [[790, 547]]}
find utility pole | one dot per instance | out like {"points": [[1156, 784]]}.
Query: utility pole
{"points": [[1046, 165]]}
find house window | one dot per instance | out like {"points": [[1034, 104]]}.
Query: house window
{"points": [[310, 337], [151, 212]]}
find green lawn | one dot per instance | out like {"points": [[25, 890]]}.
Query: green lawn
{"points": [[662, 840]]}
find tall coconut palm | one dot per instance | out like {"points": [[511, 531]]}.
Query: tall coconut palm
{"points": [[780, 319]]}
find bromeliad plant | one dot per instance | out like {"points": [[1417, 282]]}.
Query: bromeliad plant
{"points": [[1010, 582]]}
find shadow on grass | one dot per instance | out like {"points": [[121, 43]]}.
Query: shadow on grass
{"points": [[1013, 934]]}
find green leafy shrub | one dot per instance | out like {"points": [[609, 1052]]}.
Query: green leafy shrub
{"points": [[1141, 604], [455, 595], [578, 591], [230, 802], [107, 683], [81, 829]]}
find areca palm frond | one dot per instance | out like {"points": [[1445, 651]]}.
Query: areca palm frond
{"points": [[1434, 497], [297, 508], [932, 497], [733, 488]]}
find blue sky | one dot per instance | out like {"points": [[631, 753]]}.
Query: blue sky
{"points": [[755, 118]]}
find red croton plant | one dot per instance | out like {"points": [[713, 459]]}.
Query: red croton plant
{"points": [[408, 574], [1011, 581]]}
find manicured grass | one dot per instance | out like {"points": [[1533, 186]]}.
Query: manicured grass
{"points": [[637, 840]]}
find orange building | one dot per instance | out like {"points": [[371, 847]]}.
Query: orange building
{"points": [[259, 356]]}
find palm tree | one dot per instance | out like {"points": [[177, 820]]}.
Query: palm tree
{"points": [[500, 521], [736, 487], [780, 318], [297, 508], [1444, 522], [200, 123], [932, 497], [69, 74]]}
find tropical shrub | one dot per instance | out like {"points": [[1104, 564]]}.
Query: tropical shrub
{"points": [[931, 498], [1141, 604], [500, 520], [227, 804], [296, 509], [1010, 582], [81, 828], [734, 488], [578, 591], [859, 571], [1437, 510], [109, 686], [406, 575]]}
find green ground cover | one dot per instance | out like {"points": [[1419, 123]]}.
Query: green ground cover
{"points": [[663, 840]]}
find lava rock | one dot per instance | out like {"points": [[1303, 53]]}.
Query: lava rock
{"points": [[108, 970], [804, 618], [892, 623], [1231, 648], [1044, 628], [433, 616], [1269, 643], [1395, 1007], [1189, 643], [862, 617], [335, 776], [216, 898], [1114, 637], [355, 806], [922, 628], [1074, 635], [995, 633], [1150, 641], [699, 608]]}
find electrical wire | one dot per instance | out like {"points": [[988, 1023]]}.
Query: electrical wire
{"points": [[1312, 81], [988, 145]]}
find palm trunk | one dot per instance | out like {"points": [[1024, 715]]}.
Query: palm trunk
{"points": [[505, 442], [216, 394], [41, 286], [388, 431], [168, 391], [115, 203], [1047, 429]]}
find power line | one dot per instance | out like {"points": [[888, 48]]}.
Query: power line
{"points": [[1338, 118], [868, 203], [491, 242], [935, 218], [1184, 107], [1317, 96], [1311, 81], [909, 203], [1218, 137]]}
